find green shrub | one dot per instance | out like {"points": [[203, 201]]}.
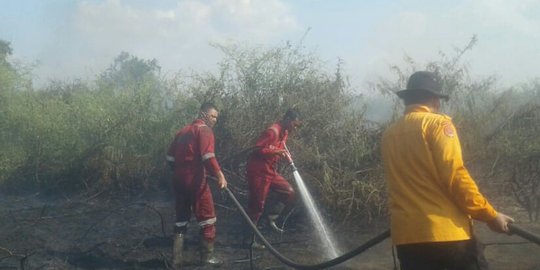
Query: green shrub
{"points": [[113, 132]]}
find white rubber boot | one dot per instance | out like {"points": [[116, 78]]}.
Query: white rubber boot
{"points": [[178, 248], [207, 254]]}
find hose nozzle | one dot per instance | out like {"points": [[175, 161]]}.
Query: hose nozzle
{"points": [[289, 158]]}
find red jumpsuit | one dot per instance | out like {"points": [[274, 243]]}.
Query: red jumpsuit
{"points": [[262, 175], [192, 152]]}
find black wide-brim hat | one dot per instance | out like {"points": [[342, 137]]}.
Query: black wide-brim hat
{"points": [[423, 81]]}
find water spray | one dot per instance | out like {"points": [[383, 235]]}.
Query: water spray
{"points": [[360, 249], [316, 217]]}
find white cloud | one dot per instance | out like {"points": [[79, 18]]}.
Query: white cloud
{"points": [[508, 33], [178, 37], [518, 16], [508, 37], [411, 23], [262, 19]]}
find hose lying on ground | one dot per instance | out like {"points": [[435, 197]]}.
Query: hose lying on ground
{"points": [[370, 243], [513, 229]]}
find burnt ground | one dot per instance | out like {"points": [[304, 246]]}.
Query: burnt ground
{"points": [[106, 231]]}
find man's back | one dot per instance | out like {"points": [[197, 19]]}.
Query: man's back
{"points": [[432, 196], [421, 204]]}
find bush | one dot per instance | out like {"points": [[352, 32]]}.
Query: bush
{"points": [[112, 133], [254, 87]]}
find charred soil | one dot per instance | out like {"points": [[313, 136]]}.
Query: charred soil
{"points": [[103, 231]]}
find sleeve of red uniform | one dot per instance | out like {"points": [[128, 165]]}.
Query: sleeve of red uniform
{"points": [[266, 141], [206, 146], [453, 174]]}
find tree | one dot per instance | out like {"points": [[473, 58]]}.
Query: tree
{"points": [[128, 71], [5, 51]]}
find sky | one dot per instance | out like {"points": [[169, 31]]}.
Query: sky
{"points": [[69, 39]]}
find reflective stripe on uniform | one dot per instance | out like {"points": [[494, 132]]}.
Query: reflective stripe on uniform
{"points": [[181, 224], [170, 158], [208, 156], [207, 222]]}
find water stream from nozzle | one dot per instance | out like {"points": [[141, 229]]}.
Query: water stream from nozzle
{"points": [[316, 217]]}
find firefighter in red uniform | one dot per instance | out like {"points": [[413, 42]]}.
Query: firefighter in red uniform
{"points": [[262, 175], [191, 156]]}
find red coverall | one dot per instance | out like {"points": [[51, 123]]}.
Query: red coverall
{"points": [[261, 174], [192, 152]]}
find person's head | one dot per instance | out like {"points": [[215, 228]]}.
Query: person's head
{"points": [[425, 88], [209, 114], [291, 120]]}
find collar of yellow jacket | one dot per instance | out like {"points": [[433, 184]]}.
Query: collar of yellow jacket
{"points": [[417, 108]]}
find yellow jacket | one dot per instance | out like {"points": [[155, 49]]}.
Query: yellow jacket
{"points": [[431, 194]]}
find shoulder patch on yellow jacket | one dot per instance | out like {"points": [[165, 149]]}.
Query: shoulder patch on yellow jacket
{"points": [[444, 122], [448, 129]]}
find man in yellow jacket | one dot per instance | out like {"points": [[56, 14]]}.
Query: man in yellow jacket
{"points": [[432, 197]]}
